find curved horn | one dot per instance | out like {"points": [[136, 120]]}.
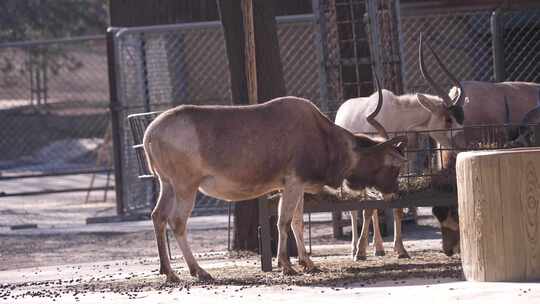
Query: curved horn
{"points": [[438, 90], [371, 117], [458, 100]]}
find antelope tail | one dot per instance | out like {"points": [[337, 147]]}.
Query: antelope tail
{"points": [[148, 154]]}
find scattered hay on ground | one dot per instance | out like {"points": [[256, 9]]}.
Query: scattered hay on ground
{"points": [[238, 271]]}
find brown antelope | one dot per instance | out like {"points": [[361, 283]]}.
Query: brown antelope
{"points": [[242, 152]]}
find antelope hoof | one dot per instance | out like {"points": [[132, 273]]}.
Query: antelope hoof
{"points": [[289, 271], [359, 257], [204, 276], [308, 266], [404, 255], [380, 253], [172, 278], [312, 270]]}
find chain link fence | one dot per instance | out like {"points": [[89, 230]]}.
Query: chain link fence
{"points": [[467, 42], [54, 107], [163, 66], [480, 44], [521, 40], [463, 41]]}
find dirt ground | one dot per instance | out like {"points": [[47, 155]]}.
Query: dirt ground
{"points": [[76, 260], [126, 263], [27, 250]]}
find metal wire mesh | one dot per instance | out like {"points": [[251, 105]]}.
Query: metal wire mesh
{"points": [[464, 40], [437, 171], [299, 58], [521, 37], [461, 39], [331, 60], [385, 48], [54, 102]]}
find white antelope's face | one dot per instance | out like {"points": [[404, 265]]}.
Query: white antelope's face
{"points": [[443, 119]]}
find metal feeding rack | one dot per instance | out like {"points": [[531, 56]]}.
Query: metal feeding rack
{"points": [[138, 124]]}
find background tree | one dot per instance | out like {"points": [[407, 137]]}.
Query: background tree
{"points": [[31, 20], [24, 20]]}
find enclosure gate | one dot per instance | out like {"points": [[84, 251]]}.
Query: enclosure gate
{"points": [[54, 112]]}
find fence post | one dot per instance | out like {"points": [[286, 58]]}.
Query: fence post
{"points": [[498, 45], [265, 249], [320, 37], [116, 123]]}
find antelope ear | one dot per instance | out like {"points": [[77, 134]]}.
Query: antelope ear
{"points": [[401, 147], [429, 104], [395, 141], [398, 156], [371, 147]]}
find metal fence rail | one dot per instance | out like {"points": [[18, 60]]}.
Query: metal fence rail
{"points": [[54, 107]]}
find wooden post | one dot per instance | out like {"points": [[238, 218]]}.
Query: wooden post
{"points": [[337, 227], [256, 75], [499, 214], [245, 213], [251, 59]]}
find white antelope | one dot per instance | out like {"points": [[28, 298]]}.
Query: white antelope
{"points": [[467, 103]]}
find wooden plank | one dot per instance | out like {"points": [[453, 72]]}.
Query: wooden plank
{"points": [[512, 212], [530, 197], [465, 195]]}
